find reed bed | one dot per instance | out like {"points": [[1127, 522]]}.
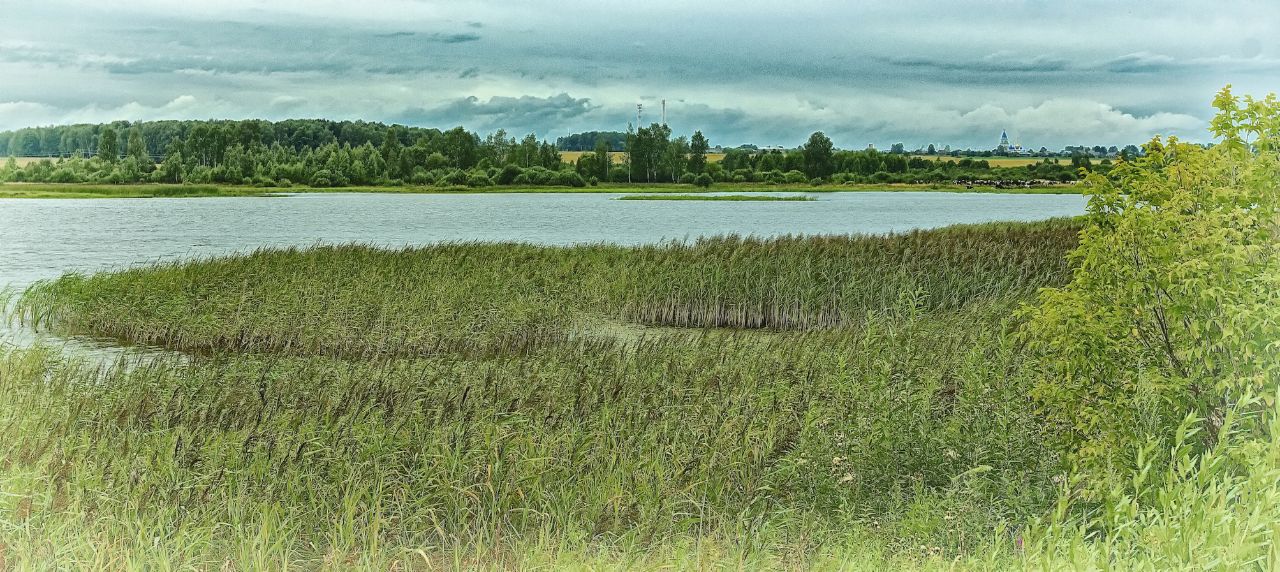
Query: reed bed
{"points": [[820, 400], [484, 299], [797, 442]]}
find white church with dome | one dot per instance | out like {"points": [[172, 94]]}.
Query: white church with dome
{"points": [[1015, 149]]}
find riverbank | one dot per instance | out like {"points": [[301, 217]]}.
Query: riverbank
{"points": [[83, 191]]}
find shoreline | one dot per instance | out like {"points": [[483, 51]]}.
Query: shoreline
{"points": [[94, 191]]}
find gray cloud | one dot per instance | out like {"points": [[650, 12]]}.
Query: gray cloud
{"points": [[1141, 62], [759, 72], [516, 114], [992, 63]]}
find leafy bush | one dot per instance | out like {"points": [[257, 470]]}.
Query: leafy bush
{"points": [[1174, 310], [508, 175], [795, 178], [571, 179], [453, 177]]}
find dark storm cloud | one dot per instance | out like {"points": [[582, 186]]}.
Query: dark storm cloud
{"points": [[1141, 63], [517, 114], [997, 63]]}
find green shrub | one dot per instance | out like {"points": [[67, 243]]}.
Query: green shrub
{"points": [[1174, 310]]}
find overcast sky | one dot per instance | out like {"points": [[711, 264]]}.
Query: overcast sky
{"points": [[958, 72]]}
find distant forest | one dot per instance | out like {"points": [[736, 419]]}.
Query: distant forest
{"points": [[323, 153], [616, 140]]}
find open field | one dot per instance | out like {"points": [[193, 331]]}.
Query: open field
{"points": [[80, 191], [24, 161], [619, 158]]}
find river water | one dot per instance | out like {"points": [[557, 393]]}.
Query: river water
{"points": [[44, 238]]}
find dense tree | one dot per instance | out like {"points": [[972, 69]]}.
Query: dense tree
{"points": [[818, 156], [136, 147], [613, 140], [603, 161], [108, 145], [698, 146]]}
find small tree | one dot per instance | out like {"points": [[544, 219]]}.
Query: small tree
{"points": [[1174, 308], [698, 146], [109, 145], [704, 180], [137, 146], [819, 154]]}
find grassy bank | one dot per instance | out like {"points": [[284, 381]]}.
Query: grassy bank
{"points": [[72, 191], [82, 191], [673, 197]]}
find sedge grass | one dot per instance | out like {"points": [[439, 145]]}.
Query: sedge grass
{"points": [[590, 445], [482, 299]]}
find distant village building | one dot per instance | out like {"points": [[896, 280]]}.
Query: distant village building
{"points": [[1007, 149]]}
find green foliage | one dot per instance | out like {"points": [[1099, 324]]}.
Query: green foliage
{"points": [[1179, 509], [818, 156], [108, 145], [328, 154], [1174, 307], [698, 146]]}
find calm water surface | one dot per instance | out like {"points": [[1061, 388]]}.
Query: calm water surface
{"points": [[44, 238]]}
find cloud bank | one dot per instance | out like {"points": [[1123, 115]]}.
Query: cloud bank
{"points": [[765, 73]]}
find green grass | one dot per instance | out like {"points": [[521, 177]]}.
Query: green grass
{"points": [[75, 191], [84, 191], [782, 403], [790, 403], [673, 197]]}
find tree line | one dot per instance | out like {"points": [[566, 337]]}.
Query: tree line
{"points": [[323, 153]]}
